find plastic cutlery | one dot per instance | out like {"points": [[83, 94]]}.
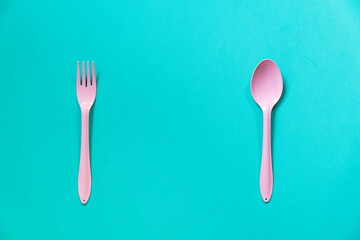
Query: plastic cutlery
{"points": [[266, 89], [86, 93]]}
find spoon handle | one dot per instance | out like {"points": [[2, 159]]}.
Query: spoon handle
{"points": [[266, 172]]}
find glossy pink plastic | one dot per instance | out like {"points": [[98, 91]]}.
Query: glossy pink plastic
{"points": [[86, 93], [266, 89]]}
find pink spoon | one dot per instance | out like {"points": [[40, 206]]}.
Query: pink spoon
{"points": [[266, 89]]}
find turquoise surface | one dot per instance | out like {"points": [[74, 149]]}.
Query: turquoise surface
{"points": [[176, 137]]}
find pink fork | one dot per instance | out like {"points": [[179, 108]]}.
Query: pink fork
{"points": [[86, 93]]}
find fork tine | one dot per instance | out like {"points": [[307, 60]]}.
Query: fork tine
{"points": [[88, 75], [78, 75], [83, 75], [93, 74]]}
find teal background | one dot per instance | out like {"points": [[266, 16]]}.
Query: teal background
{"points": [[175, 135]]}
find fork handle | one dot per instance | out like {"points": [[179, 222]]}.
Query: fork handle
{"points": [[84, 179]]}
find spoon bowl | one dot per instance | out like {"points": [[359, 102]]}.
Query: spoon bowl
{"points": [[266, 84], [266, 89]]}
